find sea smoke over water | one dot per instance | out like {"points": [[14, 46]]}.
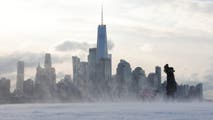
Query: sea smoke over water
{"points": [[108, 111]]}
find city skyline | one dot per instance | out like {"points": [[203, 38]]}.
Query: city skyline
{"points": [[93, 81], [146, 50]]}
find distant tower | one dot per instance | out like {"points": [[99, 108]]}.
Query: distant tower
{"points": [[28, 87], [45, 80], [123, 76], [76, 69], [20, 77], [47, 61], [92, 63], [158, 73], [103, 70], [123, 72], [199, 89], [102, 51], [4, 88]]}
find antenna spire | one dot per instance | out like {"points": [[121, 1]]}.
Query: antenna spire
{"points": [[102, 15]]}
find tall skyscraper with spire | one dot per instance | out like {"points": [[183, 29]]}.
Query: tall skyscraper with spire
{"points": [[102, 50], [98, 69], [103, 61]]}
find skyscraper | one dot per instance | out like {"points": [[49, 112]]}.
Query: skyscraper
{"points": [[102, 51], [123, 76], [153, 80], [76, 68], [47, 61], [139, 80], [45, 80], [92, 63], [123, 72], [80, 72], [158, 73], [28, 88], [4, 88], [97, 72], [20, 77], [199, 89], [103, 60]]}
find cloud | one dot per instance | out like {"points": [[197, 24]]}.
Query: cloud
{"points": [[82, 46], [73, 46], [8, 62]]}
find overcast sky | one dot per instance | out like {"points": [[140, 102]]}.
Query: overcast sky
{"points": [[146, 33]]}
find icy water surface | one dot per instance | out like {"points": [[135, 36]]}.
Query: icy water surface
{"points": [[108, 111]]}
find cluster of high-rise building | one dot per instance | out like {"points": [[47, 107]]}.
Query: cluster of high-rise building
{"points": [[94, 75], [92, 80], [136, 84], [45, 79], [43, 88]]}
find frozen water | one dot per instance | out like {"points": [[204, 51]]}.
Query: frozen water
{"points": [[108, 111]]}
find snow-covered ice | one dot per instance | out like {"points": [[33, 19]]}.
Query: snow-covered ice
{"points": [[108, 111]]}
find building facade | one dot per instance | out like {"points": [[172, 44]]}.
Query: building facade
{"points": [[45, 79], [20, 77], [123, 77], [4, 88]]}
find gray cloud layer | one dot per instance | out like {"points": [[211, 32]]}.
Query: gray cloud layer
{"points": [[73, 46], [8, 62]]}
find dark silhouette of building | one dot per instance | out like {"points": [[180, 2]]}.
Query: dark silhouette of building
{"points": [[158, 74], [171, 86]]}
